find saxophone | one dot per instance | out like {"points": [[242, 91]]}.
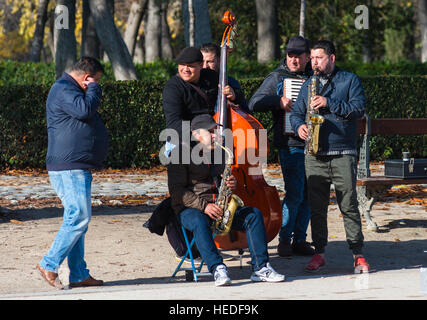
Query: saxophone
{"points": [[226, 200], [313, 120]]}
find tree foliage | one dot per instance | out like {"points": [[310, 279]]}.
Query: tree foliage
{"points": [[394, 32]]}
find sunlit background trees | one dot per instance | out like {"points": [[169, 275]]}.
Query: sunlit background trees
{"points": [[126, 33]]}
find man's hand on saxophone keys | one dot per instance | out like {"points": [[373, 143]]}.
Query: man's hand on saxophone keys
{"points": [[231, 182], [213, 211], [318, 102], [303, 131]]}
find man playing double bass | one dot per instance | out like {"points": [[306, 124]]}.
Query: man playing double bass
{"points": [[211, 60]]}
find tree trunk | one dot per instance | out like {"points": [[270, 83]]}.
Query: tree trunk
{"points": [[302, 19], [422, 20], [268, 48], [191, 24], [197, 29], [153, 31], [51, 34], [37, 44], [137, 10], [366, 48], [110, 6], [367, 41], [165, 41], [112, 41], [139, 54], [64, 38], [91, 45]]}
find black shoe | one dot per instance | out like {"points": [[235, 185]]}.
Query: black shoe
{"points": [[302, 248], [284, 249]]}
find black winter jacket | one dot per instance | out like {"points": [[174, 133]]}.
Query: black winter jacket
{"points": [[181, 102]]}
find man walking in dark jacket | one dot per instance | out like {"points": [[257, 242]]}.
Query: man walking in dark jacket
{"points": [[77, 143], [270, 97]]}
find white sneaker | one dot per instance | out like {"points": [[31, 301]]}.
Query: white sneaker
{"points": [[221, 276], [267, 274]]}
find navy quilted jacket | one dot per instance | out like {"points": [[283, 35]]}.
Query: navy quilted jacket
{"points": [[77, 137]]}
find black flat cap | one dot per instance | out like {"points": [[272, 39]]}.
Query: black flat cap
{"points": [[189, 55], [298, 45], [203, 121]]}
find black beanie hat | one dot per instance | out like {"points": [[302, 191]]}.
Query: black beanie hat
{"points": [[189, 55]]}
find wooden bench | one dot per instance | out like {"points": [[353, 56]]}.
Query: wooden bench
{"points": [[368, 185]]}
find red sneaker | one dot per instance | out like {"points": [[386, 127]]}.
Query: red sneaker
{"points": [[316, 263], [360, 265]]}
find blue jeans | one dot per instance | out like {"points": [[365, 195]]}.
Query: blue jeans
{"points": [[295, 207], [245, 219], [73, 187]]}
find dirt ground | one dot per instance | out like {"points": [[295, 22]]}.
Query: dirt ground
{"points": [[121, 252]]}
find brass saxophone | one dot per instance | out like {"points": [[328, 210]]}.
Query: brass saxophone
{"points": [[313, 120], [228, 201]]}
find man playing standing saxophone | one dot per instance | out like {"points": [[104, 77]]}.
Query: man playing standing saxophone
{"points": [[341, 102]]}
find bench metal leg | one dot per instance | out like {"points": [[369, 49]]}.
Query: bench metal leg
{"points": [[365, 206], [363, 171]]}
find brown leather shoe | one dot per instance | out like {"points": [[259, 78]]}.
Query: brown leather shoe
{"points": [[50, 277], [89, 282]]}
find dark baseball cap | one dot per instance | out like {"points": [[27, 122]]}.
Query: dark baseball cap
{"points": [[203, 121], [298, 45], [189, 55]]}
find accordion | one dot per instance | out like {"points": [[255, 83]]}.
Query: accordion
{"points": [[291, 88]]}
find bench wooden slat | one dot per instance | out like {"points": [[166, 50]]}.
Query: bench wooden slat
{"points": [[381, 180], [394, 126]]}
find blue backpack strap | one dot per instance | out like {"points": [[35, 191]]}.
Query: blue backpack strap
{"points": [[279, 89]]}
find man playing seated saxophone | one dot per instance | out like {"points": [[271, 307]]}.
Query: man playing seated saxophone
{"points": [[194, 188]]}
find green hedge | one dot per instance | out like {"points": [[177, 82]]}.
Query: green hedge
{"points": [[22, 73], [15, 72], [132, 112], [396, 97]]}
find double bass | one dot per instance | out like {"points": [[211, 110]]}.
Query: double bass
{"points": [[251, 186]]}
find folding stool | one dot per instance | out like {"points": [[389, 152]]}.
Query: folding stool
{"points": [[193, 272]]}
